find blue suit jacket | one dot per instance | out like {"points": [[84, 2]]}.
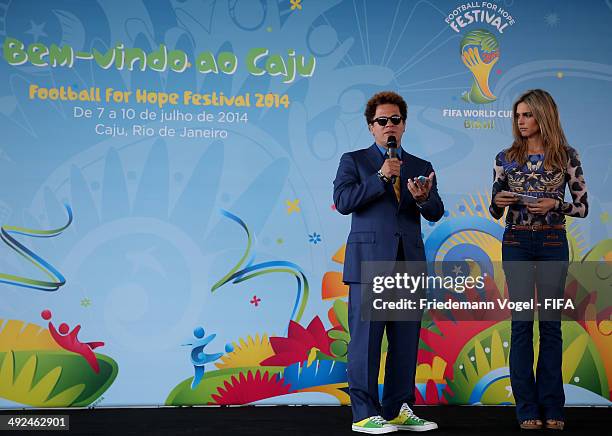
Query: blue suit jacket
{"points": [[378, 221]]}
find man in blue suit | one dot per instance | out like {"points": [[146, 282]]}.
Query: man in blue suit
{"points": [[386, 200]]}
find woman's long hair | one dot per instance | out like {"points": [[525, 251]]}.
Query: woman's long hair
{"points": [[544, 110]]}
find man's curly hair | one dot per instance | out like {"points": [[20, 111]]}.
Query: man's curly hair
{"points": [[385, 97]]}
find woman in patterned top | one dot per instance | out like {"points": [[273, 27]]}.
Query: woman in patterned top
{"points": [[539, 164]]}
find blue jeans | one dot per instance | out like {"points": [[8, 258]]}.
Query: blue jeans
{"points": [[536, 259]]}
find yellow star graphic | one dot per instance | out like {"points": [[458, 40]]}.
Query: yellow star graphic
{"points": [[533, 175], [604, 217], [292, 206], [296, 4]]}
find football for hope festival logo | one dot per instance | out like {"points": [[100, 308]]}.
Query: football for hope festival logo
{"points": [[481, 24], [479, 47]]}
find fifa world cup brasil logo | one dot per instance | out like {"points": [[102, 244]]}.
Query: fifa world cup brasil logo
{"points": [[479, 52]]}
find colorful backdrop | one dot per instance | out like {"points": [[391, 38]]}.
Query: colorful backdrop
{"points": [[166, 171]]}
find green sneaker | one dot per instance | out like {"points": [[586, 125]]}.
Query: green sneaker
{"points": [[407, 420], [373, 425]]}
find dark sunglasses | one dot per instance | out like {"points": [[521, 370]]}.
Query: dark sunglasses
{"points": [[395, 119]]}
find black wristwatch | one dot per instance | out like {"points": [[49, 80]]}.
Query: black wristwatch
{"points": [[382, 177]]}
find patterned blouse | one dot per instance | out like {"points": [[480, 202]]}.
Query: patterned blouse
{"points": [[532, 179]]}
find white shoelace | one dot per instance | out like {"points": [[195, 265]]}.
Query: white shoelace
{"points": [[407, 411], [378, 420]]}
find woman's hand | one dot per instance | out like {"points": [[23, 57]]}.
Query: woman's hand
{"points": [[542, 206], [503, 199]]}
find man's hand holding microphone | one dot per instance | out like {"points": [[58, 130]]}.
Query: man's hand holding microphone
{"points": [[419, 187]]}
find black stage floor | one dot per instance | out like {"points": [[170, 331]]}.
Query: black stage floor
{"points": [[301, 420]]}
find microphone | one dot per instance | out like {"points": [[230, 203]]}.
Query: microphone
{"points": [[392, 147], [392, 151]]}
